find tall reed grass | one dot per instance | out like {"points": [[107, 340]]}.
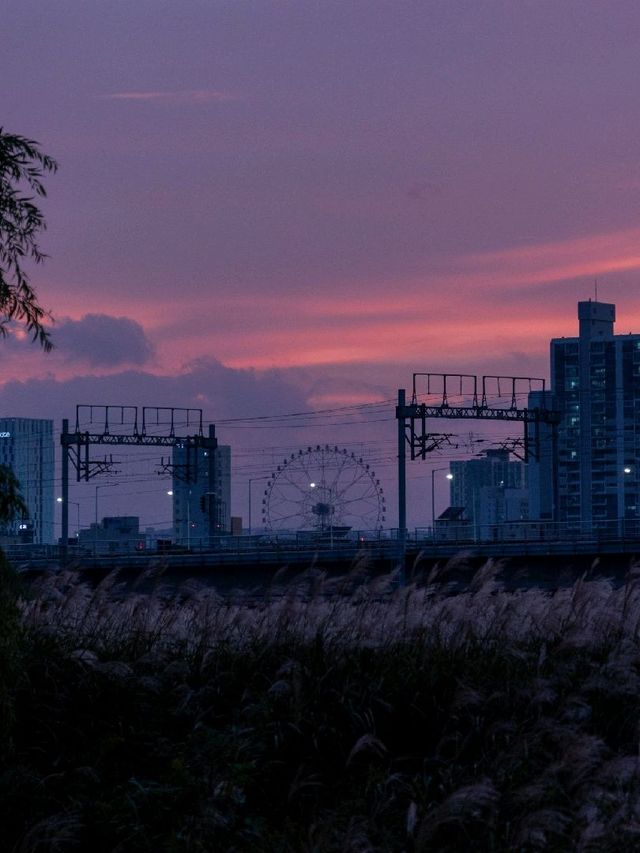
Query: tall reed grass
{"points": [[349, 714]]}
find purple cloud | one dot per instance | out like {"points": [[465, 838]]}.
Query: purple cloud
{"points": [[101, 340]]}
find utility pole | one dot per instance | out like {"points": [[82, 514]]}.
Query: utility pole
{"points": [[189, 521], [402, 482], [65, 493], [212, 506]]}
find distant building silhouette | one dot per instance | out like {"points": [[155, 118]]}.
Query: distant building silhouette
{"points": [[201, 507], [589, 480], [27, 447], [492, 491], [116, 534]]}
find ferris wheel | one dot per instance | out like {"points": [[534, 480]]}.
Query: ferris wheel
{"points": [[323, 489]]}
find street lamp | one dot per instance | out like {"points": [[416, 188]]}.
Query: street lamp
{"points": [[95, 532], [252, 480], [98, 487], [77, 506], [102, 486], [189, 521], [449, 476]]}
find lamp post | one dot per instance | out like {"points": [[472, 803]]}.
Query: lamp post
{"points": [[95, 528], [449, 476], [95, 531], [189, 521], [102, 486], [626, 471], [251, 479], [77, 506], [170, 494], [177, 518]]}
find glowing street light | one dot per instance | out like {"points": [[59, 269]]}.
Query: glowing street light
{"points": [[77, 506], [449, 476]]}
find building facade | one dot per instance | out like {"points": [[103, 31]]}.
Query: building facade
{"points": [[201, 505], [491, 490], [27, 447], [119, 534], [587, 478]]}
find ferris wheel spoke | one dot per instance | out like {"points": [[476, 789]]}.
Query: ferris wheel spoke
{"points": [[364, 475], [368, 491], [312, 467], [369, 499], [289, 506], [340, 468], [359, 475], [278, 517], [287, 479], [283, 500], [288, 491], [303, 465], [363, 507], [345, 493]]}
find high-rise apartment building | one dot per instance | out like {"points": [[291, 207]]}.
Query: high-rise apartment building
{"points": [[589, 478], [201, 506], [26, 446], [491, 489]]}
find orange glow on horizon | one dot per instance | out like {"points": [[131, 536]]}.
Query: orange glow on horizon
{"points": [[442, 316]]}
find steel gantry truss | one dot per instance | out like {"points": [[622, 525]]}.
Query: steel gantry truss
{"points": [[471, 395], [146, 426]]}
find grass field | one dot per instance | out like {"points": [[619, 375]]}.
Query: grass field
{"points": [[363, 718]]}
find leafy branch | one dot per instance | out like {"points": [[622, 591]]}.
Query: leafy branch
{"points": [[12, 503], [22, 167]]}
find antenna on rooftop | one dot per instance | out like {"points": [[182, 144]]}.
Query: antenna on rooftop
{"points": [[595, 284]]}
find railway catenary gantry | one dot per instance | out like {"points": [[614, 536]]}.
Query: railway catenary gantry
{"points": [[471, 395], [144, 426]]}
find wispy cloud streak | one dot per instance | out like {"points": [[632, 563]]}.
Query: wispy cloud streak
{"points": [[185, 96], [595, 254]]}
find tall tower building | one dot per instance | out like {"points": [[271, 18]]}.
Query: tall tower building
{"points": [[26, 446], [595, 380], [202, 506], [491, 490]]}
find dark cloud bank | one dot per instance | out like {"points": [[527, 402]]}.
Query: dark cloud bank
{"points": [[101, 340], [220, 391]]}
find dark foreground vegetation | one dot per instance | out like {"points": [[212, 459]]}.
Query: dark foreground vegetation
{"points": [[383, 720]]}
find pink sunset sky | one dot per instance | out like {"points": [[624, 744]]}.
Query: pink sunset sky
{"points": [[266, 207]]}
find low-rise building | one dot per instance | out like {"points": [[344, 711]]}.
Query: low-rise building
{"points": [[119, 534], [491, 490]]}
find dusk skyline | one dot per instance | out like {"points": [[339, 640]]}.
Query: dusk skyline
{"points": [[270, 206]]}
